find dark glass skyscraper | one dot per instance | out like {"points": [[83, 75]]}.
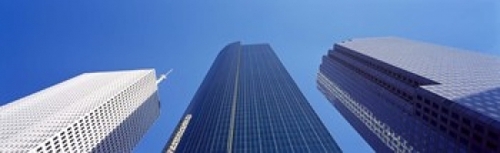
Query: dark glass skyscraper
{"points": [[249, 103], [408, 96]]}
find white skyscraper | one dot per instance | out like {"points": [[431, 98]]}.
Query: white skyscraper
{"points": [[98, 112]]}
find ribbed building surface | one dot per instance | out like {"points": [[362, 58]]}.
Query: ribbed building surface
{"points": [[249, 103], [92, 112], [409, 96]]}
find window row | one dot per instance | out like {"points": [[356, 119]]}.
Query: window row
{"points": [[468, 133]]}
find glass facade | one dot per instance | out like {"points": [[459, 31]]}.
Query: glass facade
{"points": [[249, 103], [408, 96]]}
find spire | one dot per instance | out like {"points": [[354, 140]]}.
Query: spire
{"points": [[163, 76]]}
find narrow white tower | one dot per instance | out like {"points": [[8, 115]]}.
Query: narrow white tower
{"points": [[92, 112]]}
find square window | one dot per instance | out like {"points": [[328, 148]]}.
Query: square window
{"points": [[435, 106], [434, 114], [442, 128], [425, 117], [433, 122], [452, 134], [426, 110], [466, 121], [491, 145], [427, 101], [444, 120], [454, 116], [453, 124], [465, 131], [477, 138], [478, 128], [444, 110], [492, 135], [464, 141]]}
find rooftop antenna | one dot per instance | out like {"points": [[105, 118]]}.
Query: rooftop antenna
{"points": [[163, 76]]}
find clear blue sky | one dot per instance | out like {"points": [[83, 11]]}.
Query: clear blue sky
{"points": [[45, 42]]}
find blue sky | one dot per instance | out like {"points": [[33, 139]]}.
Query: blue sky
{"points": [[45, 42]]}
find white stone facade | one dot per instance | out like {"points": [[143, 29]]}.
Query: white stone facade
{"points": [[92, 112]]}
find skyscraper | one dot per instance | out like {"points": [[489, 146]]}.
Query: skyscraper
{"points": [[408, 96], [98, 112], [249, 103]]}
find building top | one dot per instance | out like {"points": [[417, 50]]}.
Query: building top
{"points": [[468, 78]]}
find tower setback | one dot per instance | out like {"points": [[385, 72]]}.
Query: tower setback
{"points": [[408, 96]]}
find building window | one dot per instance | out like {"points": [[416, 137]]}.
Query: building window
{"points": [[454, 116], [442, 128], [479, 128], [493, 135], [465, 131], [453, 124], [466, 121], [491, 145], [477, 138], [444, 110]]}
